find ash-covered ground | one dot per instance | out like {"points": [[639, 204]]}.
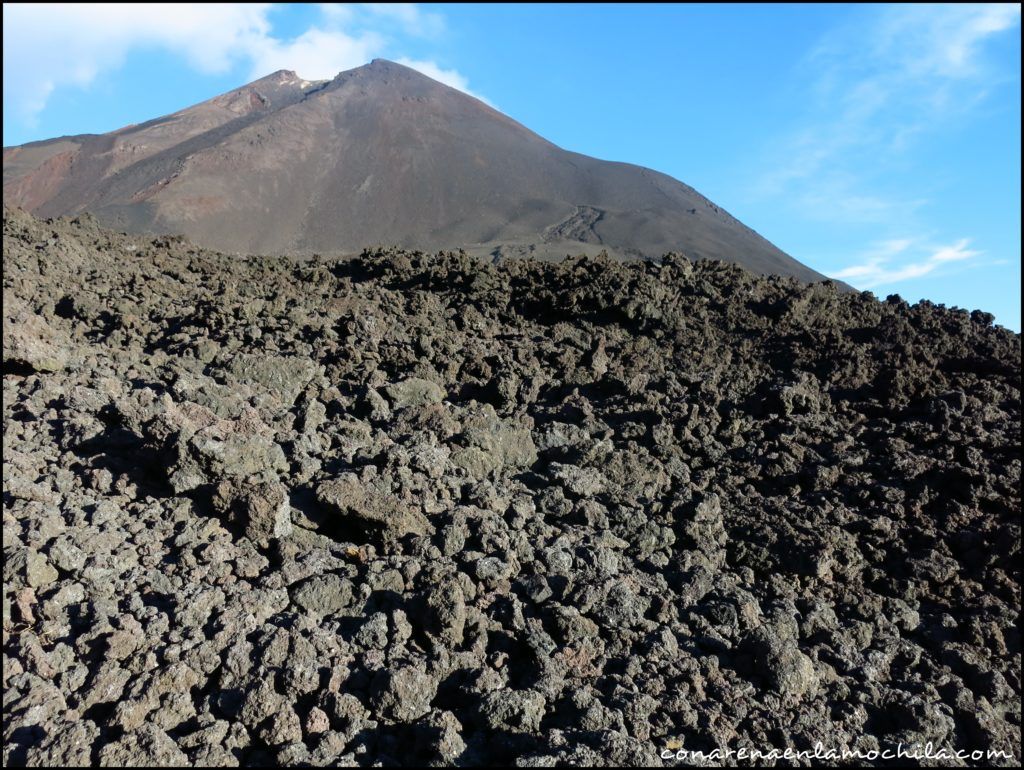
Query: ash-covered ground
{"points": [[421, 509]]}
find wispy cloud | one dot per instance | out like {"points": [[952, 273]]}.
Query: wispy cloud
{"points": [[841, 198], [48, 46], [876, 87], [412, 18], [900, 259], [944, 41], [449, 77], [319, 53], [51, 45]]}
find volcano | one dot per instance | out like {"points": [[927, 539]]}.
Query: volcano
{"points": [[380, 155]]}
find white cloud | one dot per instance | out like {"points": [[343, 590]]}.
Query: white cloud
{"points": [[316, 54], [943, 41], [876, 88], [48, 46], [878, 268], [412, 18], [448, 77], [52, 45], [839, 200], [337, 13]]}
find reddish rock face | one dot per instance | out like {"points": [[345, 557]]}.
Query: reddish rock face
{"points": [[37, 187], [379, 155]]}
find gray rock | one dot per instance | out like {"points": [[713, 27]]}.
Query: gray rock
{"points": [[491, 569], [260, 703], [313, 416], [369, 505], [581, 482], [413, 391], [374, 632], [208, 448], [149, 746], [284, 728], [30, 340], [70, 746], [493, 445], [328, 594], [235, 455], [402, 694], [780, 661], [283, 376], [513, 710], [440, 734], [261, 509], [38, 571], [443, 612]]}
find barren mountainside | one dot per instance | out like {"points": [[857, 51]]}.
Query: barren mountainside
{"points": [[379, 155]]}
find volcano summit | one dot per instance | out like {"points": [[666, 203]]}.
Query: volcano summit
{"points": [[381, 154]]}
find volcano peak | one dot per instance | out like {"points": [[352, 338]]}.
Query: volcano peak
{"points": [[380, 154]]}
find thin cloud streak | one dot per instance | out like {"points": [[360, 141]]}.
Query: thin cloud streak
{"points": [[878, 270], [878, 87]]}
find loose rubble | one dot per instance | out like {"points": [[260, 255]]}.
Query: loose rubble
{"points": [[413, 509]]}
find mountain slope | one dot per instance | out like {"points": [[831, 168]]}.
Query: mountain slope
{"points": [[379, 154]]}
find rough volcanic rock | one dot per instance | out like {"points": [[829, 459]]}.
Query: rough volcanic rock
{"points": [[29, 341], [261, 509], [368, 504], [415, 509]]}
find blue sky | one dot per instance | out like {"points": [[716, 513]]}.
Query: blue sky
{"points": [[875, 143]]}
